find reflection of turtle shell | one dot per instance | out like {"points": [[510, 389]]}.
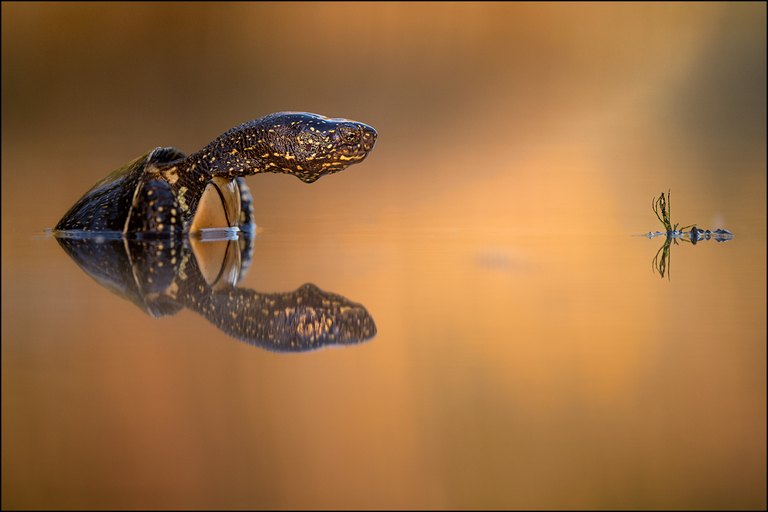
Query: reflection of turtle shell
{"points": [[143, 271], [111, 265], [139, 198]]}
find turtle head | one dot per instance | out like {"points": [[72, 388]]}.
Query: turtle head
{"points": [[310, 145], [305, 145]]}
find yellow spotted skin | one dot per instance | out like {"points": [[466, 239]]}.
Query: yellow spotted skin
{"points": [[158, 194]]}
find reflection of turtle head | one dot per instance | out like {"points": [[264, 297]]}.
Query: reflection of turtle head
{"points": [[320, 318], [305, 319]]}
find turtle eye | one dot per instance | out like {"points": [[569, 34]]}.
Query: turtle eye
{"points": [[348, 135]]}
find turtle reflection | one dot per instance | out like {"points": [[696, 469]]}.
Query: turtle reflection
{"points": [[163, 276]]}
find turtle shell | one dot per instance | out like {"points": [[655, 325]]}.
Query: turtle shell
{"points": [[107, 205]]}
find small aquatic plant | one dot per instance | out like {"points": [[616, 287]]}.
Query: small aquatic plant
{"points": [[662, 207]]}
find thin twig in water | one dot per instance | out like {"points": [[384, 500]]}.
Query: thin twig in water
{"points": [[659, 207], [662, 207]]}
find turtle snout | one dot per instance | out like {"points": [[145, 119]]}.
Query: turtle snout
{"points": [[368, 136]]}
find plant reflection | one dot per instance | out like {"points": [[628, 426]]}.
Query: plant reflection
{"points": [[164, 276], [662, 260]]}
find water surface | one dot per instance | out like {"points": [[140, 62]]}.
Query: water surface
{"points": [[526, 355]]}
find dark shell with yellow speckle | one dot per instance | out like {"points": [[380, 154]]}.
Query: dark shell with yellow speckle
{"points": [[108, 206], [136, 200]]}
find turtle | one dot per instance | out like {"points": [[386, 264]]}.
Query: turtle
{"points": [[163, 276], [166, 193]]}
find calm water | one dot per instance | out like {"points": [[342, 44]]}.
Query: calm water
{"points": [[526, 354]]}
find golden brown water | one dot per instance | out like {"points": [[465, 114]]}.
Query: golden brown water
{"points": [[527, 355]]}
